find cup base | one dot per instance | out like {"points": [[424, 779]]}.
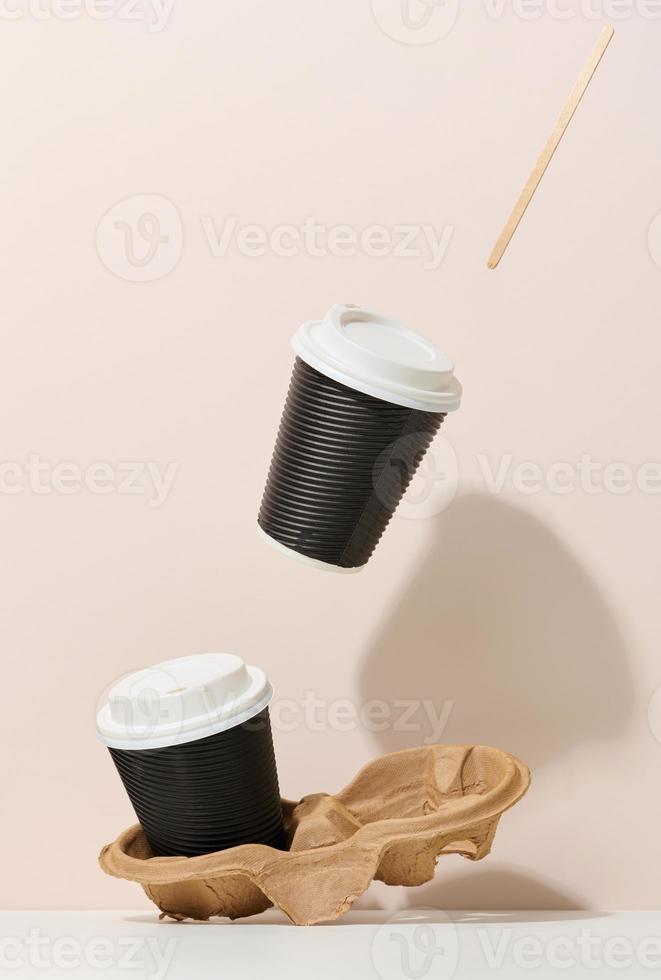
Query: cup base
{"points": [[322, 566]]}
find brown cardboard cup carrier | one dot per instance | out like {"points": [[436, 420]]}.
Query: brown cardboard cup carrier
{"points": [[391, 823]]}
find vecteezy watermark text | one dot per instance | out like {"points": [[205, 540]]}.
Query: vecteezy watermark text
{"points": [[315, 714], [154, 13], [504, 949], [312, 713], [418, 22], [317, 240], [42, 477], [584, 475], [435, 483], [141, 239], [37, 951], [594, 10], [420, 945]]}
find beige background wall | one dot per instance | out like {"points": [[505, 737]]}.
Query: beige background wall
{"points": [[526, 619]]}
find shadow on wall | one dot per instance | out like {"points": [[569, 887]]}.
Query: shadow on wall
{"points": [[501, 620], [488, 890]]}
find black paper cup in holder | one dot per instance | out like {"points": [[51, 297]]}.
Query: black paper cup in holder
{"points": [[366, 399], [191, 740]]}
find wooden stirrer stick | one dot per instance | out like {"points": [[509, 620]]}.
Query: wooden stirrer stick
{"points": [[552, 144]]}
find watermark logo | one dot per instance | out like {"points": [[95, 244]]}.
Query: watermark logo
{"points": [[434, 484], [155, 701], [654, 715], [654, 240], [409, 946], [141, 238], [416, 21], [143, 704]]}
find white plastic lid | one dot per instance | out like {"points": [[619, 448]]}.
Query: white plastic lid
{"points": [[182, 700], [381, 357]]}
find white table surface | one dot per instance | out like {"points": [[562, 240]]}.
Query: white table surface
{"points": [[363, 944]]}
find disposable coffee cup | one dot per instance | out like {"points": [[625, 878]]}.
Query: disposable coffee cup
{"points": [[191, 740], [366, 399]]}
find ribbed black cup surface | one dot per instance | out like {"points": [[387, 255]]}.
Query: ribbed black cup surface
{"points": [[342, 462], [207, 795]]}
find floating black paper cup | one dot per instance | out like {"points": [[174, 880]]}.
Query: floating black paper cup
{"points": [[366, 399], [342, 463], [196, 793]]}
